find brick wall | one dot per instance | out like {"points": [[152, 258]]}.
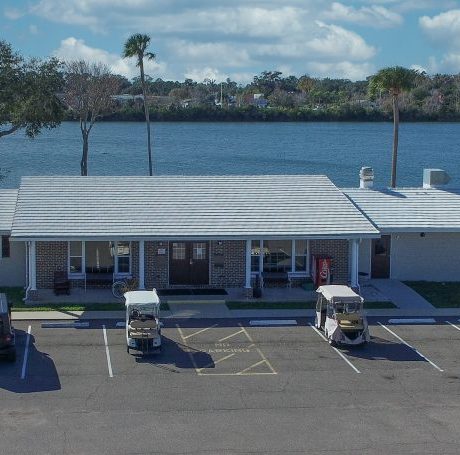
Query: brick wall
{"points": [[51, 257], [156, 266], [135, 259], [228, 263], [338, 250]]}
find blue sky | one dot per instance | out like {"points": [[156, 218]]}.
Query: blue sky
{"points": [[240, 38]]}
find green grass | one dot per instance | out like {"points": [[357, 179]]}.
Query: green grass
{"points": [[15, 298], [268, 305], [440, 295], [291, 305], [379, 305]]}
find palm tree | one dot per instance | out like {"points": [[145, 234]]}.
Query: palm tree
{"points": [[393, 80], [136, 46]]}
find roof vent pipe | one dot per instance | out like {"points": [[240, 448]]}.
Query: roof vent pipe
{"points": [[434, 178], [366, 177]]}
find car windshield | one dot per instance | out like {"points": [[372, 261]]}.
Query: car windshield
{"points": [[347, 307], [145, 311]]}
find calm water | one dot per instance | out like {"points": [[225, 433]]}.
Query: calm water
{"points": [[335, 149]]}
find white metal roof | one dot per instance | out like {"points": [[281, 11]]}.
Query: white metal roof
{"points": [[141, 298], [175, 207], [7, 207], [337, 292], [410, 209]]}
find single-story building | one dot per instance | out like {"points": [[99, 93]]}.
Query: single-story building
{"points": [[420, 230], [184, 231], [223, 231]]}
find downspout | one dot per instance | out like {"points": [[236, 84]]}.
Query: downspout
{"points": [[27, 272]]}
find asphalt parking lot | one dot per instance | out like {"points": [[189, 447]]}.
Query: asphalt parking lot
{"points": [[226, 386]]}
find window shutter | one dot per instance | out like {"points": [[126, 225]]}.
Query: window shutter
{"points": [[5, 246]]}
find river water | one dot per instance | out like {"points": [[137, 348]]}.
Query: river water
{"points": [[335, 149]]}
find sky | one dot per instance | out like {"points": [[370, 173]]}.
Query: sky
{"points": [[238, 39]]}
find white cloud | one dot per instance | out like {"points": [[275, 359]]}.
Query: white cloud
{"points": [[341, 70], [200, 74], [33, 29], [443, 28], [75, 49], [224, 54], [371, 16], [13, 13], [337, 42]]}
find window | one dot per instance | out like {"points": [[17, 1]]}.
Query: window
{"points": [[178, 251], [277, 256], [199, 251], [5, 246], [75, 257], [123, 250], [301, 256], [98, 257]]}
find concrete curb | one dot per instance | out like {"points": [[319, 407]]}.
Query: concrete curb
{"points": [[236, 314]]}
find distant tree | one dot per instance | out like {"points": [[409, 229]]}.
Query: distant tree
{"points": [[267, 81], [393, 80], [136, 46], [28, 93], [89, 93]]}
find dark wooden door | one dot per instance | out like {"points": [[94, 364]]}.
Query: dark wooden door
{"points": [[189, 263], [381, 249]]}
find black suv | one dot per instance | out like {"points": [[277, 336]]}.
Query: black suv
{"points": [[7, 345]]}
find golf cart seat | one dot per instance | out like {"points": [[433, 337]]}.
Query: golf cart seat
{"points": [[139, 324]]}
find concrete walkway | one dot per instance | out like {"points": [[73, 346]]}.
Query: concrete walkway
{"points": [[401, 295]]}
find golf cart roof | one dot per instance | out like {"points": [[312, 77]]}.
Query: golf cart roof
{"points": [[140, 298], [338, 293]]}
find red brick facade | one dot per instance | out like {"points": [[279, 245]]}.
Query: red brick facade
{"points": [[226, 262]]}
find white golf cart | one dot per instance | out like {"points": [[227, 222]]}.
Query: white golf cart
{"points": [[340, 314], [143, 329]]}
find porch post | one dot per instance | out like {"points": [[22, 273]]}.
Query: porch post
{"points": [[354, 262], [141, 264], [33, 266], [261, 258], [247, 284], [293, 255]]}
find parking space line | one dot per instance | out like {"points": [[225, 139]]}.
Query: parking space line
{"points": [[266, 361], [335, 349], [411, 347], [230, 336], [216, 362], [26, 354], [107, 352], [197, 370], [246, 333], [199, 331], [252, 366], [453, 325]]}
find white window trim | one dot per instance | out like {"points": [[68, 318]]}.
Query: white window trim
{"points": [[83, 261], [118, 274]]}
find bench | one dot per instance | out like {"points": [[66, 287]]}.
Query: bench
{"points": [[293, 276], [61, 283], [275, 277]]}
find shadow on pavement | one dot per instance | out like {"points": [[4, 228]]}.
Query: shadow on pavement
{"points": [[40, 372], [178, 355], [381, 349]]}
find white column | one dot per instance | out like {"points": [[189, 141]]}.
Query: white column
{"points": [[247, 284], [141, 264], [354, 262], [33, 266], [292, 255]]}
